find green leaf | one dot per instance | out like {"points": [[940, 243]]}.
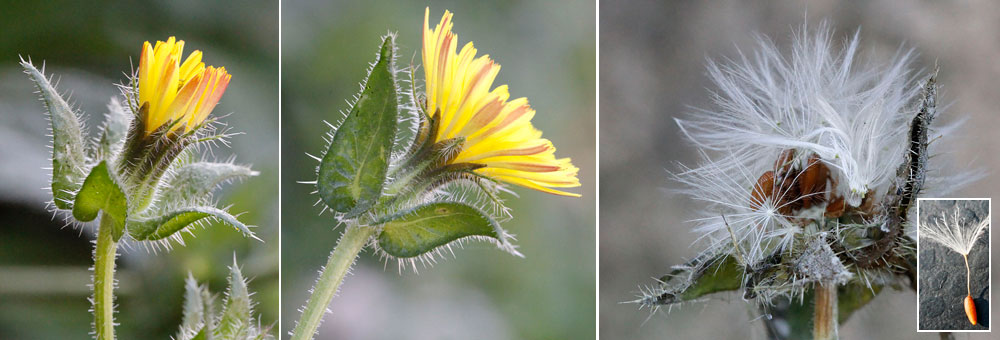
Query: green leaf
{"points": [[113, 131], [194, 307], [208, 330], [427, 227], [160, 227], [192, 183], [709, 272], [237, 319], [353, 170], [194, 316], [201, 335], [719, 276], [69, 157], [100, 192]]}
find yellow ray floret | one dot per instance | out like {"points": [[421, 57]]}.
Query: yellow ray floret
{"points": [[182, 94], [498, 132]]}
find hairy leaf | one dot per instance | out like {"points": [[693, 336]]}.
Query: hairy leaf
{"points": [[202, 335], [236, 321], [196, 315], [160, 227], [703, 276], [101, 193], [69, 157], [353, 170], [427, 227], [192, 183], [116, 123]]}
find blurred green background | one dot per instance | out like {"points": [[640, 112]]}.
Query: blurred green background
{"points": [[547, 50], [653, 70], [90, 46]]}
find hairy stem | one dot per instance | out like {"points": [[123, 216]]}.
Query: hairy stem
{"points": [[825, 317], [330, 278], [104, 282], [968, 275]]}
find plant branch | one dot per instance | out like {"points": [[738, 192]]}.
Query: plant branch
{"points": [[330, 278]]}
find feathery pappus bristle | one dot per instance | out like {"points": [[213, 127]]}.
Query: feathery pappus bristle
{"points": [[954, 230]]}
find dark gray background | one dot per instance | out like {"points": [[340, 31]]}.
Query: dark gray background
{"points": [[942, 271], [652, 66]]}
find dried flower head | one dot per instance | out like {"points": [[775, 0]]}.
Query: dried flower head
{"points": [[802, 138], [812, 159]]}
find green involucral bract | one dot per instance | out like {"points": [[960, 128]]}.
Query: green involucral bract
{"points": [[353, 170]]}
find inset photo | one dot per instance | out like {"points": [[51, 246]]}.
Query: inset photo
{"points": [[953, 264]]}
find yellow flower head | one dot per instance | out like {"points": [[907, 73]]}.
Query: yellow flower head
{"points": [[498, 133], [175, 92]]}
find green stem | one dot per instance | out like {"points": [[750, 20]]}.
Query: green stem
{"points": [[825, 312], [341, 259], [104, 282]]}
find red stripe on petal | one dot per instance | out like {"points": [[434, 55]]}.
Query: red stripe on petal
{"points": [[522, 151], [484, 116], [513, 116], [478, 77], [529, 167], [527, 151]]}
